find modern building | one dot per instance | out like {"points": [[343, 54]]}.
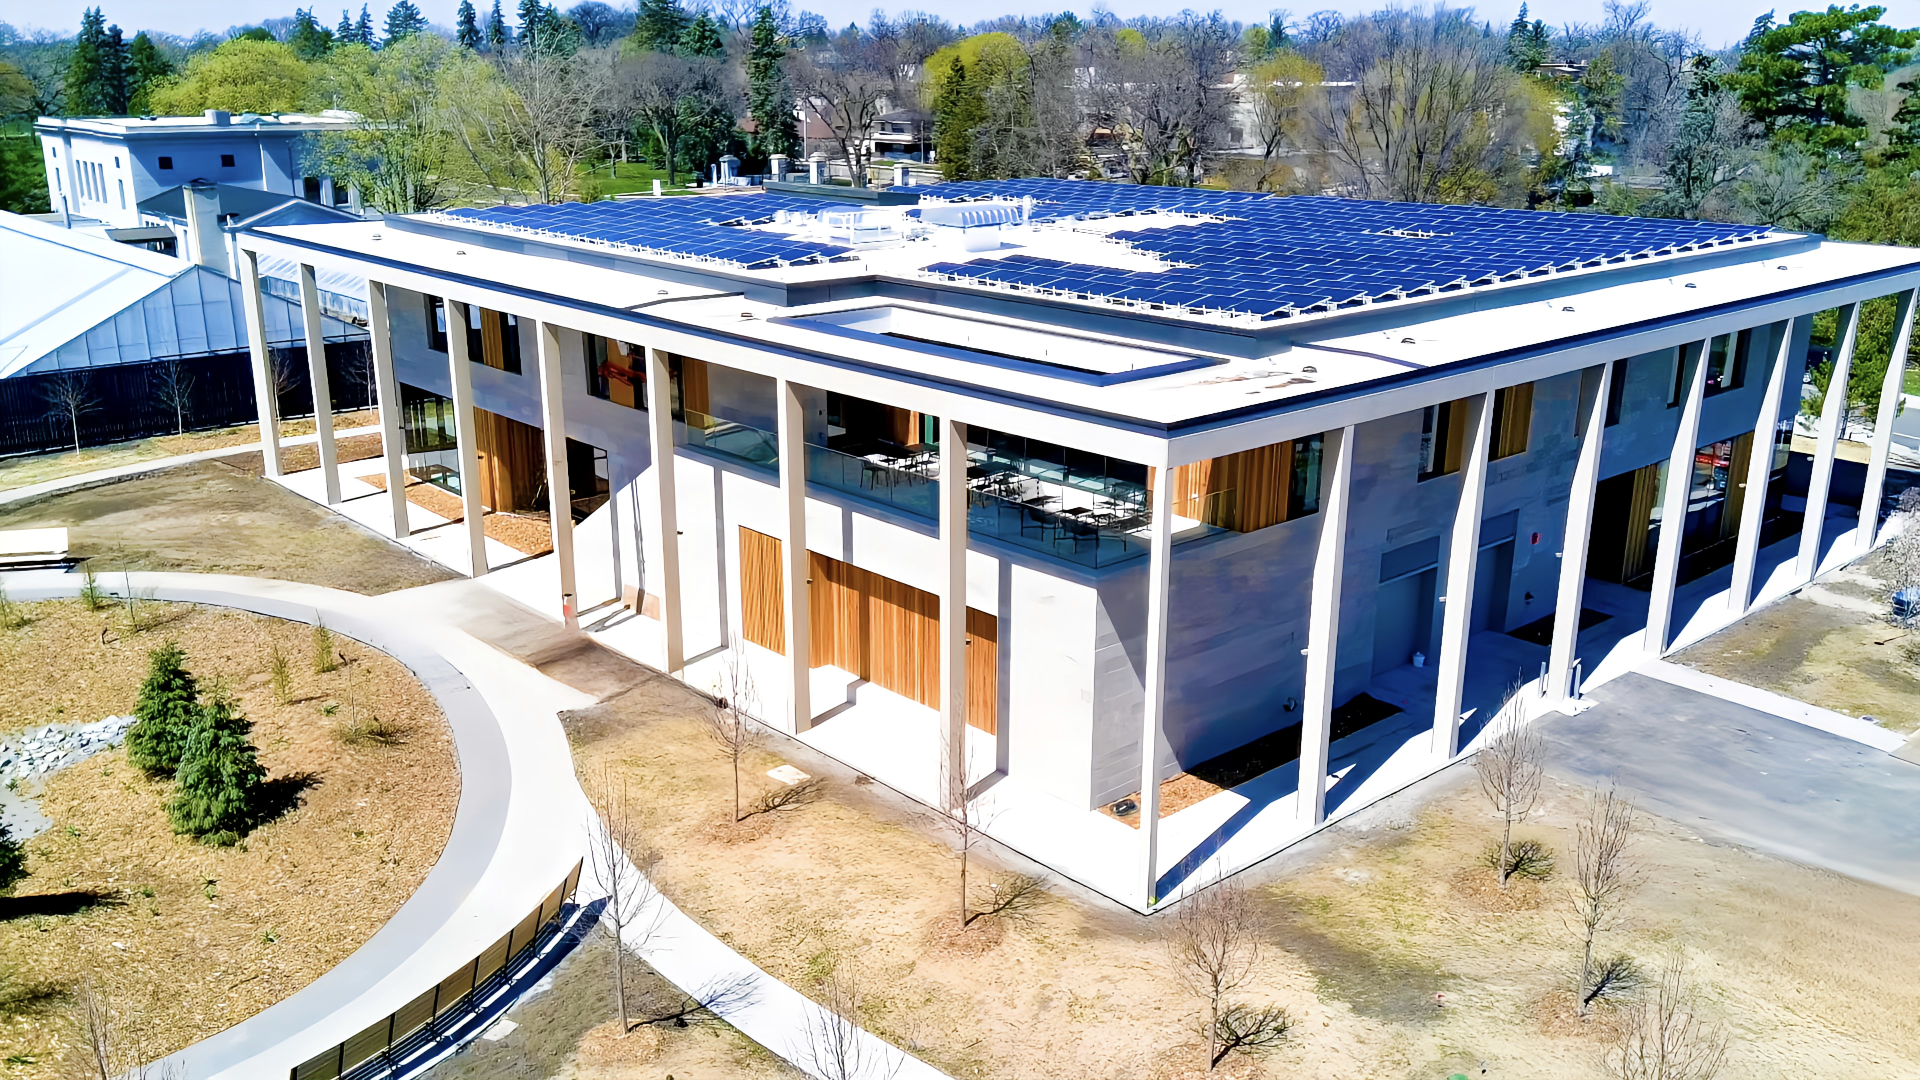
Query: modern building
{"points": [[991, 490], [104, 167]]}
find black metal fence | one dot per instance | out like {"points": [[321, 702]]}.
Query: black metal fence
{"points": [[389, 1042], [160, 397]]}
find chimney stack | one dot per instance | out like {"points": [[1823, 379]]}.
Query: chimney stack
{"points": [[218, 117], [203, 227]]}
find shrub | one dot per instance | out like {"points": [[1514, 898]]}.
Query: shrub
{"points": [[220, 776], [323, 659], [13, 859], [165, 713], [92, 595], [281, 673], [12, 615], [372, 730]]}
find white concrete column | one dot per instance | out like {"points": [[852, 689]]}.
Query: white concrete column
{"points": [[1153, 720], [460, 371], [1463, 554], [393, 437], [322, 385], [953, 608], [1753, 504], [264, 398], [1833, 414], [1323, 625], [553, 422], [660, 429], [1876, 484], [1575, 541], [1673, 507], [796, 568]]}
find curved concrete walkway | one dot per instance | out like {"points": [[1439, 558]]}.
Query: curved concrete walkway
{"points": [[520, 825]]}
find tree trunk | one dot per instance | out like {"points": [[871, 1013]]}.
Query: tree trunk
{"points": [[75, 416], [620, 974], [1506, 850], [965, 842], [1586, 973], [736, 780]]}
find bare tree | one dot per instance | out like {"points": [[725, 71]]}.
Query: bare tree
{"points": [[1165, 100], [549, 124], [173, 387], [728, 720], [284, 372], [621, 860], [846, 88], [1663, 1036], [1510, 771], [69, 395], [1214, 943], [664, 95], [108, 1039], [837, 1046], [1605, 875]]}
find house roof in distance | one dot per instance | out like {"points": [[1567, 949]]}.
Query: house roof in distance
{"points": [[1182, 253], [213, 122]]}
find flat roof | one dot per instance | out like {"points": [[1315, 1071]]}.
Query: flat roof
{"points": [[122, 127]]}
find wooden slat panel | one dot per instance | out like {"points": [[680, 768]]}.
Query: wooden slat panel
{"points": [[493, 350], [983, 670], [693, 386], [1646, 492], [1513, 409], [512, 461], [762, 594], [1736, 484]]}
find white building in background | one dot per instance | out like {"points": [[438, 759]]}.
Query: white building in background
{"points": [[1287, 492], [103, 167]]}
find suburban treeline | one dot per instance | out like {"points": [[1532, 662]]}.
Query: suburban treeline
{"points": [[1805, 123]]}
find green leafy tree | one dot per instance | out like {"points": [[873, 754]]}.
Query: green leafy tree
{"points": [[769, 94], [467, 27], [702, 38], [13, 859], [400, 153], [1795, 78], [1705, 155], [496, 30], [165, 714], [707, 132], [310, 40], [403, 21], [23, 176], [146, 66], [217, 789], [1903, 134], [86, 67], [660, 25], [1529, 44], [240, 76]]}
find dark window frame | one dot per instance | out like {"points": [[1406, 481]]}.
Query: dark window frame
{"points": [[166, 162]]}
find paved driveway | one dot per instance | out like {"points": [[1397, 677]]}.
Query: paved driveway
{"points": [[1749, 777]]}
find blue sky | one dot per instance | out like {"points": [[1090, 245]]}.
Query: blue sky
{"points": [[1719, 21]]}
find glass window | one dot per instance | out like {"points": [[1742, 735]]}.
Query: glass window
{"points": [[509, 341], [166, 162], [226, 161], [436, 324], [593, 348], [1442, 430], [1304, 494], [1616, 392]]}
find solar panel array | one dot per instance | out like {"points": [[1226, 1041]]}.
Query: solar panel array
{"points": [[1235, 254], [701, 228], [1256, 255]]}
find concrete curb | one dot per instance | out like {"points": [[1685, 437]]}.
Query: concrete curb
{"points": [[1766, 701]]}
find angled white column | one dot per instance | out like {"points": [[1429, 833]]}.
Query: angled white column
{"points": [[322, 385], [660, 431], [1673, 507], [953, 609], [1463, 553], [553, 424], [264, 397], [1323, 625], [1869, 532], [1753, 504], [1153, 709], [795, 569], [460, 370], [393, 438], [1575, 541], [1833, 414]]}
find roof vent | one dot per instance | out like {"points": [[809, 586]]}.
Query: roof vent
{"points": [[218, 117]]}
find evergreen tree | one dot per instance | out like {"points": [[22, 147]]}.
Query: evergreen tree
{"points": [[531, 13], [344, 32], [1528, 43], [496, 29], [86, 65], [13, 859], [309, 39], [769, 97], [958, 109], [363, 28], [114, 89], [660, 25], [217, 789], [165, 713], [467, 27], [403, 21], [702, 38], [145, 64], [1798, 78]]}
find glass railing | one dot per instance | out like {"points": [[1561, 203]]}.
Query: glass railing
{"points": [[728, 438], [1087, 537], [885, 483]]}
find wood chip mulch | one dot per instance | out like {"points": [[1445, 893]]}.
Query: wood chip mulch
{"points": [[528, 532]]}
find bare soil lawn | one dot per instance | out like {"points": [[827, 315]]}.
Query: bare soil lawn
{"points": [[1385, 940], [211, 517], [184, 939], [1829, 645], [571, 1031], [21, 471]]}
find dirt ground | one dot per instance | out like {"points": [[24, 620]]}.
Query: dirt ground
{"points": [[35, 468], [211, 517], [1829, 645], [529, 532], [570, 1031], [183, 939], [1384, 940]]}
